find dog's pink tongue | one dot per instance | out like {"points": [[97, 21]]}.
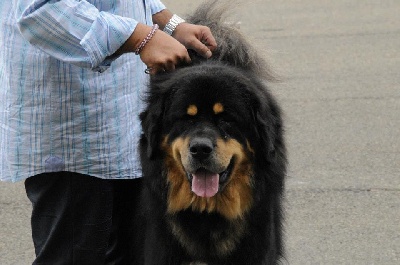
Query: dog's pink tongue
{"points": [[205, 183]]}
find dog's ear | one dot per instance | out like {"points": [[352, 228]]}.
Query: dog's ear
{"points": [[268, 119], [152, 117], [161, 88], [151, 120], [265, 131]]}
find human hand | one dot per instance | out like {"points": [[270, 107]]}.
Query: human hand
{"points": [[196, 37], [163, 53]]}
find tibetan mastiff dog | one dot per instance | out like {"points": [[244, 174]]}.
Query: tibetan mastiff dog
{"points": [[213, 159]]}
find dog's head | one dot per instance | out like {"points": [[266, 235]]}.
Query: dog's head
{"points": [[209, 124]]}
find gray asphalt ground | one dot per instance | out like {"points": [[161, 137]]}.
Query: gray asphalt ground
{"points": [[340, 91]]}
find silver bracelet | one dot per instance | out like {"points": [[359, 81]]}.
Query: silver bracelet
{"points": [[172, 24]]}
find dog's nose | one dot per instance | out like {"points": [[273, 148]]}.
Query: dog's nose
{"points": [[201, 148]]}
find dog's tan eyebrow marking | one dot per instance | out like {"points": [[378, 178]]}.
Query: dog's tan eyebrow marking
{"points": [[192, 110], [218, 108]]}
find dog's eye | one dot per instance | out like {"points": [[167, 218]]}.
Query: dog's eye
{"points": [[225, 126], [226, 122], [187, 119]]}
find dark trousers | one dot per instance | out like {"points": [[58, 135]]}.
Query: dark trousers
{"points": [[83, 220]]}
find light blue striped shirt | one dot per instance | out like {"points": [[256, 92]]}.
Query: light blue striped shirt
{"points": [[65, 102]]}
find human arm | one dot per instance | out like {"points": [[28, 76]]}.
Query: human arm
{"points": [[74, 31], [77, 32]]}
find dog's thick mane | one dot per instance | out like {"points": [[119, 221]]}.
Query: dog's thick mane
{"points": [[233, 47]]}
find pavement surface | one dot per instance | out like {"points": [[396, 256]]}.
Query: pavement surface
{"points": [[339, 62]]}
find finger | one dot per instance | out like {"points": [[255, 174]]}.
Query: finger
{"points": [[186, 59], [184, 56], [201, 49], [208, 39], [169, 66]]}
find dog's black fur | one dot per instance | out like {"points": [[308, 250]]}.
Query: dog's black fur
{"points": [[215, 117]]}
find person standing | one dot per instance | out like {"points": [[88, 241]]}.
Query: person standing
{"points": [[72, 77]]}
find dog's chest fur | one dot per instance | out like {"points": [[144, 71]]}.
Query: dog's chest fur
{"points": [[216, 238]]}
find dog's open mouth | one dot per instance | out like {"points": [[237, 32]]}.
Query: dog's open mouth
{"points": [[206, 183]]}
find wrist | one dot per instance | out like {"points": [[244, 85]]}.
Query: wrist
{"points": [[167, 20], [147, 39], [172, 24], [161, 18], [133, 42]]}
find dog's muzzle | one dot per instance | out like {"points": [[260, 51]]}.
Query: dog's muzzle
{"points": [[206, 174]]}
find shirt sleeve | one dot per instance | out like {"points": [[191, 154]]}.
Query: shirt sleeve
{"points": [[156, 6], [75, 31]]}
